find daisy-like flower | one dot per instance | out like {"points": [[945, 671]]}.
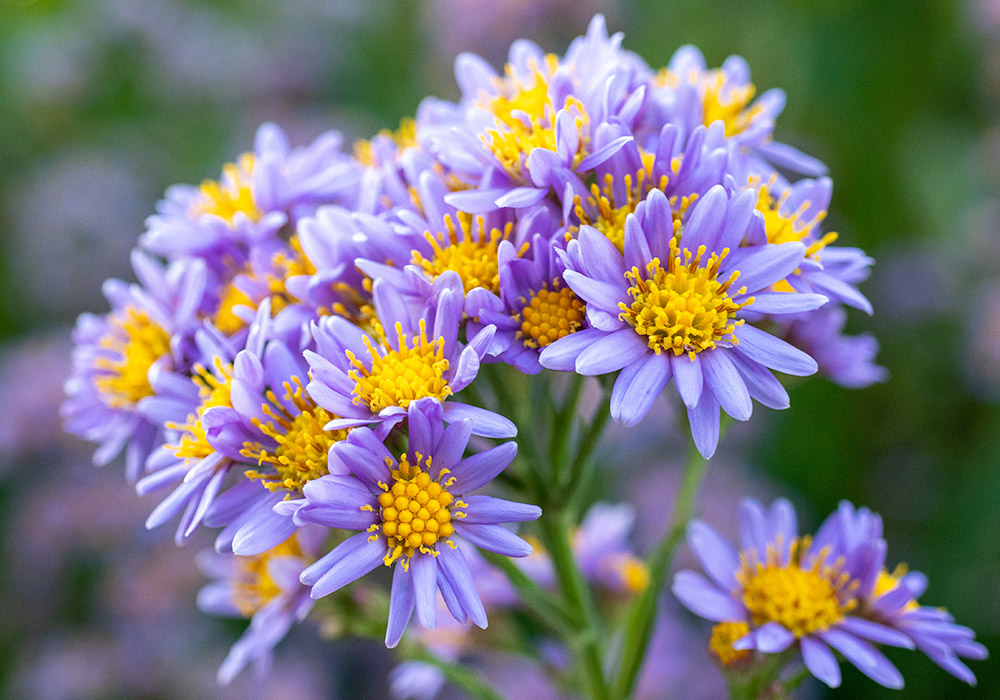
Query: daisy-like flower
{"points": [[670, 307], [264, 588], [222, 220], [890, 598], [689, 94], [150, 326], [780, 590], [411, 354], [408, 509]]}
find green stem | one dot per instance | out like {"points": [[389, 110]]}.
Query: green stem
{"points": [[642, 612], [586, 643], [562, 427], [463, 677]]}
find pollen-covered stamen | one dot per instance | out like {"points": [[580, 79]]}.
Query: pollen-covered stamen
{"points": [[788, 228], [414, 371], [724, 635], [405, 137], [525, 118], [550, 315], [802, 595], [610, 212], [471, 253], [231, 194], [302, 441], [215, 390], [683, 308], [253, 586], [416, 511], [727, 103], [131, 345]]}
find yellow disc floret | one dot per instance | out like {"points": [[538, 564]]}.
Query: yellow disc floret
{"points": [[682, 308], [724, 635], [416, 511], [131, 345], [802, 596], [214, 391], [253, 586], [610, 212], [550, 315], [727, 103], [302, 441], [788, 227], [414, 371], [473, 254], [231, 194]]}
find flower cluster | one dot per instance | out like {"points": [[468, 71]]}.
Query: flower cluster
{"points": [[297, 363]]}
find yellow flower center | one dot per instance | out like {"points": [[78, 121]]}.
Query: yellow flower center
{"points": [[414, 371], [550, 315], [138, 343], [803, 599], [231, 193], [253, 586], [724, 635], [473, 255], [683, 308], [525, 118], [303, 443], [416, 511], [405, 137], [214, 392], [634, 573], [727, 103], [887, 582]]}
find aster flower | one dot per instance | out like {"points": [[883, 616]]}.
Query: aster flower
{"points": [[670, 308], [412, 354], [780, 590], [275, 425], [150, 326], [518, 134], [890, 598], [688, 94], [222, 220], [264, 588], [408, 509]]}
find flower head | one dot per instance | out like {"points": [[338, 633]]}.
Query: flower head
{"points": [[409, 506]]}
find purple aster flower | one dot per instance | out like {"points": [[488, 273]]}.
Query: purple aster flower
{"points": [[670, 308], [221, 221], [150, 326], [519, 134], [275, 424], [534, 307], [890, 599], [848, 360], [411, 354], [264, 588], [688, 94], [780, 590], [408, 509]]}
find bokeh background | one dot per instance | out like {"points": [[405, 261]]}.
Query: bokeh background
{"points": [[104, 103]]}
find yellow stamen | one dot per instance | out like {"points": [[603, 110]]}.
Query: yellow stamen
{"points": [[550, 315], [230, 194], [804, 597], [473, 254], [683, 308], [214, 392], [414, 371], [136, 342], [253, 586], [303, 443], [416, 511], [405, 137], [727, 103]]}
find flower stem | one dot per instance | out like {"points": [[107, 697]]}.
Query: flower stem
{"points": [[642, 612]]}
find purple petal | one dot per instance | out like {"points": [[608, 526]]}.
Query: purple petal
{"points": [[495, 538], [764, 265], [785, 302], [479, 469], [456, 571], [563, 353], [866, 658], [875, 632], [488, 510], [483, 422], [704, 419], [352, 567], [772, 352], [703, 599], [611, 352], [726, 384], [401, 601], [688, 378], [715, 554], [820, 661], [424, 571], [637, 387]]}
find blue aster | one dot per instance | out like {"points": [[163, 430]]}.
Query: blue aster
{"points": [[408, 508], [670, 307]]}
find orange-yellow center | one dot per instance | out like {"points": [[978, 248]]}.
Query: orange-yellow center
{"points": [[214, 392], [136, 342], [682, 308], [253, 586], [473, 254], [550, 315], [230, 194], [724, 635]]}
